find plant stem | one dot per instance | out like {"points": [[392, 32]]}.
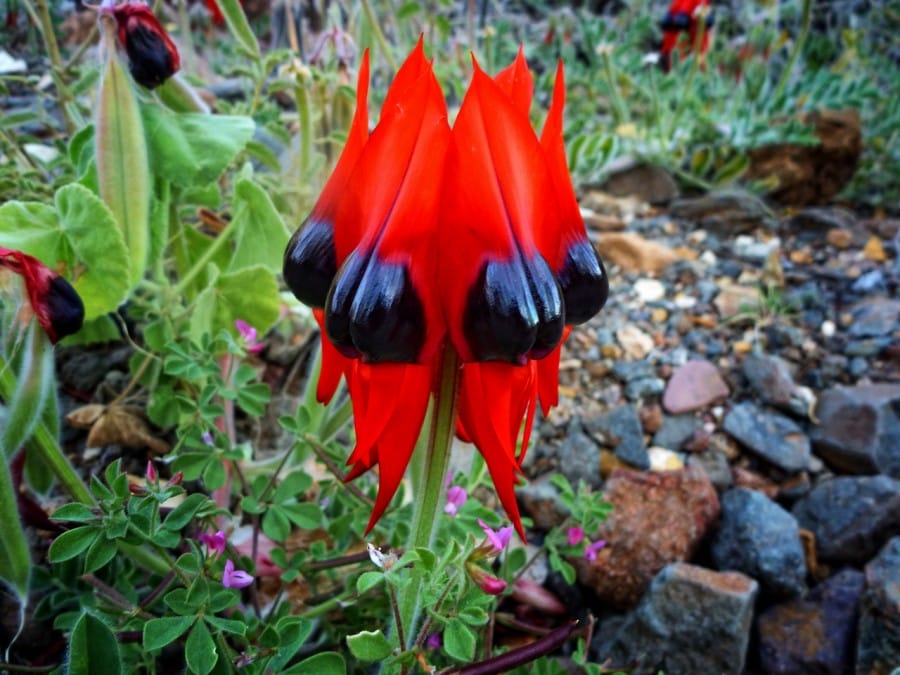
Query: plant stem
{"points": [[806, 21], [428, 483], [686, 90], [207, 255], [49, 35], [379, 35]]}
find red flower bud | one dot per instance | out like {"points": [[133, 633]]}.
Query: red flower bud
{"points": [[176, 479], [152, 56], [55, 303], [486, 582]]}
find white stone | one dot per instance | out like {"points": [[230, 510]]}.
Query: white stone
{"points": [[649, 290]]}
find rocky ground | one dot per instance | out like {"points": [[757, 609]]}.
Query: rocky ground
{"points": [[738, 401]]}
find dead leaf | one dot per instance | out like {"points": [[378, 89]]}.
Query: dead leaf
{"points": [[120, 424]]}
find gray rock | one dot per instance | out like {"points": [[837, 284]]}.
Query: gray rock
{"points": [[860, 428], [716, 466], [692, 620], [540, 500], [817, 220], [621, 430], [813, 634], [878, 648], [644, 387], [724, 213], [760, 539], [627, 371], [873, 280], [579, 458], [851, 517], [867, 346], [772, 436], [772, 379], [875, 317], [675, 431]]}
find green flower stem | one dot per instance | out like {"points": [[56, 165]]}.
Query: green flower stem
{"points": [[687, 89], [428, 481], [304, 117], [379, 35], [201, 262], [806, 22], [49, 35], [619, 111]]}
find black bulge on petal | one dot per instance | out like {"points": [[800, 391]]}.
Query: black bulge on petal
{"points": [[310, 262], [339, 303], [500, 320], [677, 21], [387, 318], [65, 307], [149, 59], [548, 302], [584, 283]]}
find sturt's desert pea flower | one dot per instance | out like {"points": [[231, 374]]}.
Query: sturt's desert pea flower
{"points": [[429, 241], [680, 28], [152, 56], [57, 305]]}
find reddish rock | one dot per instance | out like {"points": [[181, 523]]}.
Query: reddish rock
{"points": [[657, 519], [694, 385]]}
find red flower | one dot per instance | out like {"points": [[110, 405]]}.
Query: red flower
{"points": [[680, 26], [58, 307], [152, 56], [427, 239]]}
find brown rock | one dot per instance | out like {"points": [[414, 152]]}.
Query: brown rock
{"points": [[657, 519], [734, 299], [647, 182], [750, 479], [812, 174], [840, 239], [633, 253], [604, 223], [874, 250], [694, 385]]}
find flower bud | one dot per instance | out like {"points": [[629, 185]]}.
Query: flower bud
{"points": [[150, 472], [152, 56], [56, 304], [176, 479], [486, 582]]}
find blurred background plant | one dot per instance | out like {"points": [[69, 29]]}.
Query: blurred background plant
{"points": [[224, 189]]}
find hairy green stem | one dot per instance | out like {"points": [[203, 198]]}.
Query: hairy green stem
{"points": [[428, 482], [49, 35], [201, 262]]}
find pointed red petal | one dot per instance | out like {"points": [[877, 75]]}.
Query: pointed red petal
{"points": [[334, 364], [517, 83]]}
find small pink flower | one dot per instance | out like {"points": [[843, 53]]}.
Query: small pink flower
{"points": [[232, 578], [486, 582], [248, 332], [215, 543], [498, 539], [456, 497], [590, 553], [574, 536]]}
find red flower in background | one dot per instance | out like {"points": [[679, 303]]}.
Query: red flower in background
{"points": [[56, 304], [426, 239], [680, 26], [152, 56]]}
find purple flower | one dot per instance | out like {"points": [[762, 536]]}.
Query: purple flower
{"points": [[207, 438], [215, 543], [574, 536], [434, 641], [456, 497], [248, 332], [590, 553], [232, 578], [497, 539]]}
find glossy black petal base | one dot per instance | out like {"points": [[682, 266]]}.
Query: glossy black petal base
{"points": [[585, 286], [149, 59], [66, 308], [310, 262]]}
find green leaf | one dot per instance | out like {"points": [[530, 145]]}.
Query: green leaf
{"points": [[93, 648], [15, 558], [239, 28], [275, 524], [122, 174], [70, 544], [459, 641], [326, 663], [292, 485], [368, 581], [369, 645], [304, 515], [261, 236], [200, 650], [33, 384], [181, 515], [99, 249], [160, 632], [250, 294], [99, 554], [193, 149], [227, 625]]}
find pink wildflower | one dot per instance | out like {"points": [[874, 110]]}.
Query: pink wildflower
{"points": [[574, 536], [232, 578], [215, 543], [248, 332], [150, 472], [498, 539], [456, 497], [590, 553]]}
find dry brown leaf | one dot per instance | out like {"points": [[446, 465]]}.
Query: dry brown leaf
{"points": [[120, 424]]}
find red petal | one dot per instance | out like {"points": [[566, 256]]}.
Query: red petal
{"points": [[517, 83], [334, 364]]}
